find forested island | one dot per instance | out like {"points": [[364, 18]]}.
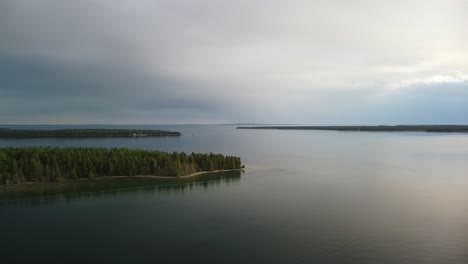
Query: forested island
{"points": [[381, 128], [83, 133], [46, 164]]}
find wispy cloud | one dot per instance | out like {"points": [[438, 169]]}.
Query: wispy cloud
{"points": [[456, 77]]}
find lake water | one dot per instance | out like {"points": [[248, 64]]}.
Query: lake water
{"points": [[305, 197]]}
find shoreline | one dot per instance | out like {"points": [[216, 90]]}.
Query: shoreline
{"points": [[19, 185], [373, 128], [8, 133], [160, 177]]}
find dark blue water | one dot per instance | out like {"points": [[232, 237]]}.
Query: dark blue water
{"points": [[306, 197]]}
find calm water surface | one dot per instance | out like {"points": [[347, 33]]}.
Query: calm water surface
{"points": [[306, 197]]}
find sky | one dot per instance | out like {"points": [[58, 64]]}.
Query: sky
{"points": [[217, 61]]}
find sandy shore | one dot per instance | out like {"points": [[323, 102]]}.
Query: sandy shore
{"points": [[158, 177], [6, 187]]}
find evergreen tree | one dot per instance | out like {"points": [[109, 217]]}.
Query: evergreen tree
{"points": [[36, 169], [52, 164]]}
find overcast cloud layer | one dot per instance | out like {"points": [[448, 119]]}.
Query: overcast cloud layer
{"points": [[201, 61]]}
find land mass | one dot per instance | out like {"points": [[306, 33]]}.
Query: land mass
{"points": [[164, 177], [46, 164], [83, 133], [381, 128]]}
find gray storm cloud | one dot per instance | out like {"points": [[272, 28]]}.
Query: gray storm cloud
{"points": [[233, 61]]}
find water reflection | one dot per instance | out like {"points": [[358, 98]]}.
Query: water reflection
{"points": [[86, 189], [307, 197]]}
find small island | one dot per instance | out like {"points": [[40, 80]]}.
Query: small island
{"points": [[83, 133], [47, 164], [381, 128]]}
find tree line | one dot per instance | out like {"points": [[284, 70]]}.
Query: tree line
{"points": [[81, 133], [385, 128], [47, 164]]}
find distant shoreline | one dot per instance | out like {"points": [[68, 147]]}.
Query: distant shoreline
{"points": [[380, 128], [83, 133]]}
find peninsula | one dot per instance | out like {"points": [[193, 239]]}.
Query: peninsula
{"points": [[381, 128], [83, 133], [46, 164]]}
